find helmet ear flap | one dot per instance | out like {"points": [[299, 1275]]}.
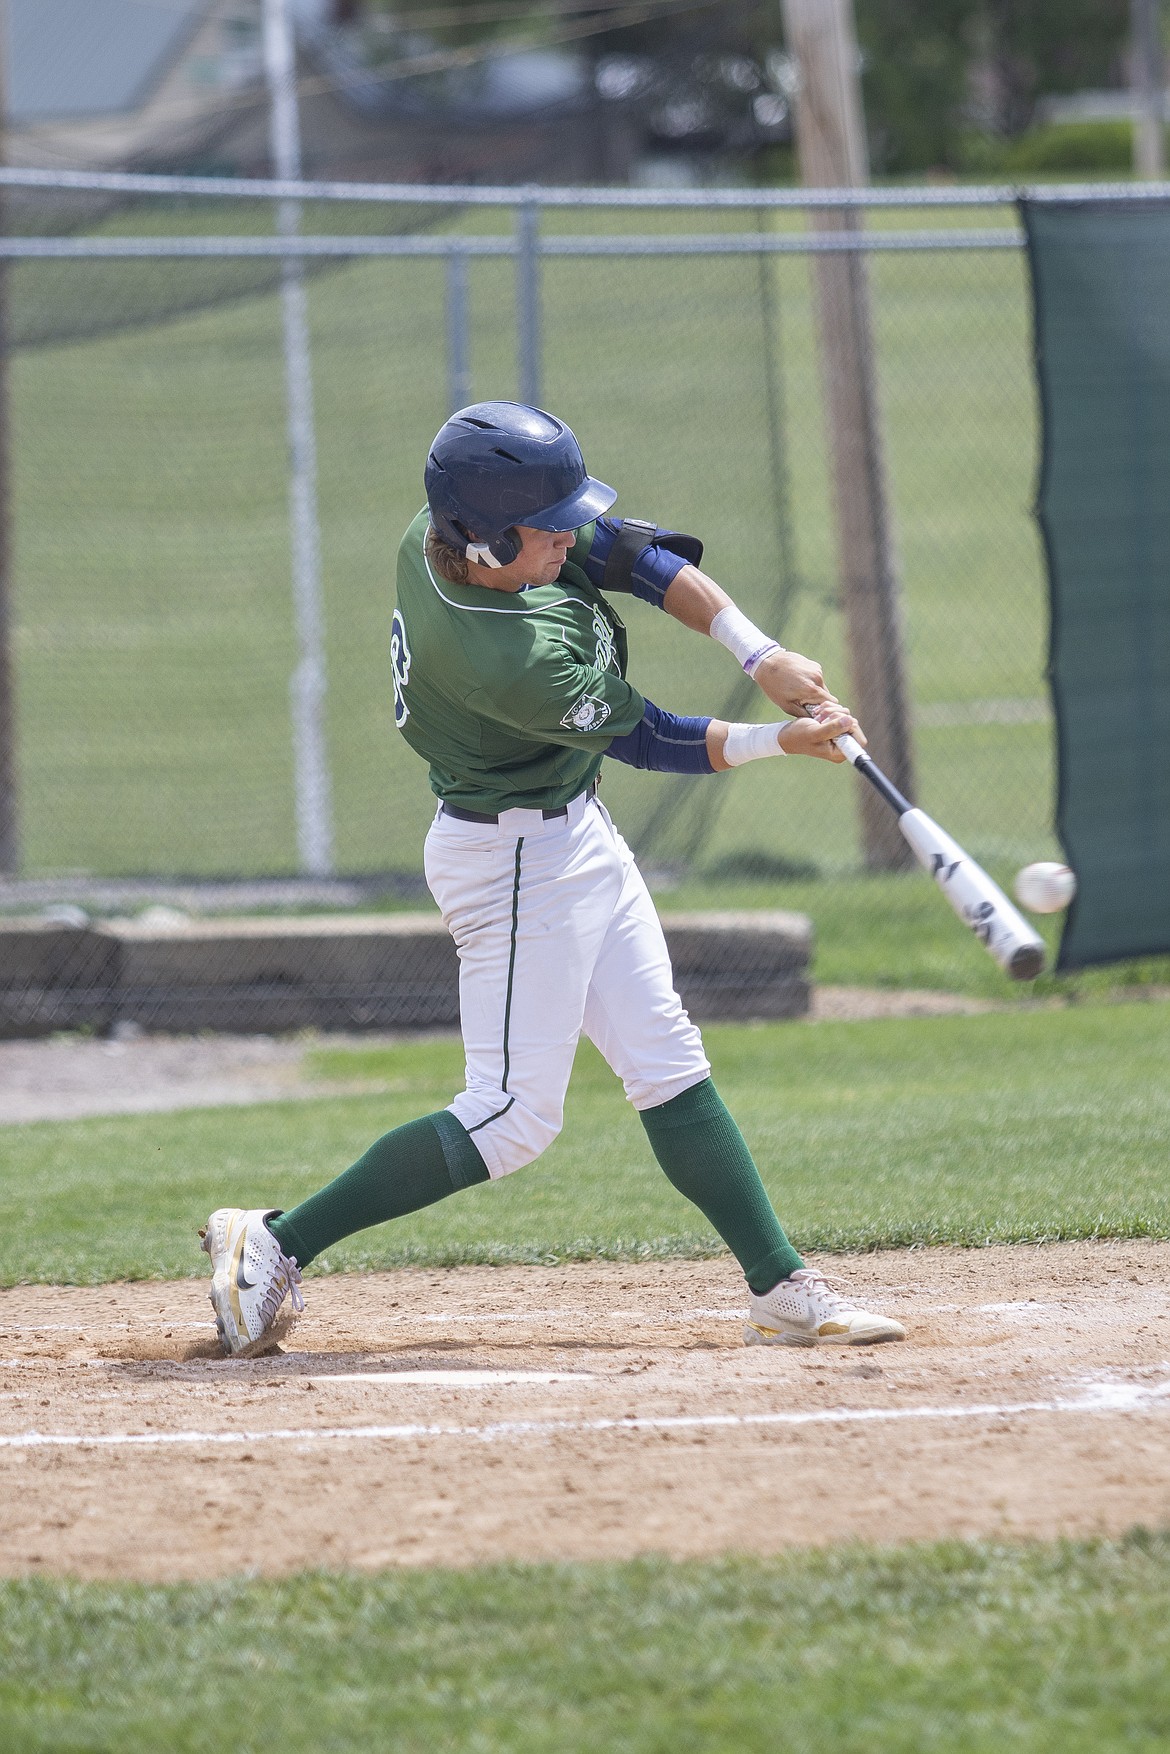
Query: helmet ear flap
{"points": [[502, 550], [506, 546]]}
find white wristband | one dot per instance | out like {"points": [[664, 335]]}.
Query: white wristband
{"points": [[752, 742], [743, 638]]}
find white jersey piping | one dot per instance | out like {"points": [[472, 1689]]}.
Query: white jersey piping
{"points": [[486, 608]]}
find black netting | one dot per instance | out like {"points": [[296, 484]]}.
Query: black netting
{"points": [[49, 301]]}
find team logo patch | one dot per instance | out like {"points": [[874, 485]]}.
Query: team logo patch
{"points": [[587, 715]]}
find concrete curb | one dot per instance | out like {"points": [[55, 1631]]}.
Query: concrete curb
{"points": [[351, 971]]}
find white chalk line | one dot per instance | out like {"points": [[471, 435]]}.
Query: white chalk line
{"points": [[1033, 1306], [1101, 1397]]}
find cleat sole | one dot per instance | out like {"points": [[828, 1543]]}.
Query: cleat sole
{"points": [[269, 1340], [754, 1335]]}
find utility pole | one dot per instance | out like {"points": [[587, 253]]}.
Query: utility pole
{"points": [[314, 810], [831, 150], [9, 839], [1149, 138]]}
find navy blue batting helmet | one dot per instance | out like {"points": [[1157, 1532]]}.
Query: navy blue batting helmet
{"points": [[498, 464]]}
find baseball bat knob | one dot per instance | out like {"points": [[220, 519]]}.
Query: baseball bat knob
{"points": [[1026, 963]]}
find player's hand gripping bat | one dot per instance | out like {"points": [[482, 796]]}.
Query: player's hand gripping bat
{"points": [[979, 903]]}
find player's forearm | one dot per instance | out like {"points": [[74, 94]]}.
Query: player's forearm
{"points": [[694, 599], [716, 744], [700, 604], [664, 742], [731, 745], [787, 678]]}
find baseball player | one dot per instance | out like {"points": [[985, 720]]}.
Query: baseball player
{"points": [[509, 665]]}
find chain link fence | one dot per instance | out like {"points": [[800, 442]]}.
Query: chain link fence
{"points": [[154, 632]]}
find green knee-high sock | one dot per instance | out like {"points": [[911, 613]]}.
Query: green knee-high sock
{"points": [[704, 1155], [411, 1167]]}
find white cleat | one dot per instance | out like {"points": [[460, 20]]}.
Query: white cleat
{"points": [[250, 1279], [805, 1311]]}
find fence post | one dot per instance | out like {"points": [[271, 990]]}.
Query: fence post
{"points": [[528, 296], [9, 838], [1149, 141], [831, 146], [458, 349], [307, 687]]}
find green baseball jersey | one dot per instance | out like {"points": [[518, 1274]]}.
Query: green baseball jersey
{"points": [[513, 698]]}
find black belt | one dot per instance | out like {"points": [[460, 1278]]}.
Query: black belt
{"points": [[482, 815], [462, 815]]}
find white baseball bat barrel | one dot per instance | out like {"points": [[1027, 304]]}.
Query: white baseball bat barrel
{"points": [[979, 903]]}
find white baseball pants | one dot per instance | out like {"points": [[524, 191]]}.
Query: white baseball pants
{"points": [[556, 934]]}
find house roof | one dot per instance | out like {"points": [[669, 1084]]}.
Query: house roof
{"points": [[91, 57]]}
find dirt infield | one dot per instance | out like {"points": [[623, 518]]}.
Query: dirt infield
{"points": [[576, 1412]]}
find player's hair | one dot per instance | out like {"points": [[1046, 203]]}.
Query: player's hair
{"points": [[447, 561]]}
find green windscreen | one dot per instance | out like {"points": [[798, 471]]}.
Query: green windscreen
{"points": [[1101, 289]]}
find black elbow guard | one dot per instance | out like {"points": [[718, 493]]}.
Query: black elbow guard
{"points": [[635, 534]]}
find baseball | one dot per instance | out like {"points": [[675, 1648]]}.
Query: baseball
{"points": [[1046, 887]]}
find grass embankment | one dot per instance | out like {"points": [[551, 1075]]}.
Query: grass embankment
{"points": [[1001, 1127], [954, 1649]]}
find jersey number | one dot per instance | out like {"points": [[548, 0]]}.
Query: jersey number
{"points": [[400, 665]]}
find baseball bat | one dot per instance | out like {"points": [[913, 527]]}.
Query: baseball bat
{"points": [[979, 903]]}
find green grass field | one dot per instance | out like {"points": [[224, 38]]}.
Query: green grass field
{"points": [[1001, 1127], [932, 1650]]}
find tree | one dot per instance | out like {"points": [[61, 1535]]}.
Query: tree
{"points": [[1049, 46], [915, 56], [936, 69]]}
